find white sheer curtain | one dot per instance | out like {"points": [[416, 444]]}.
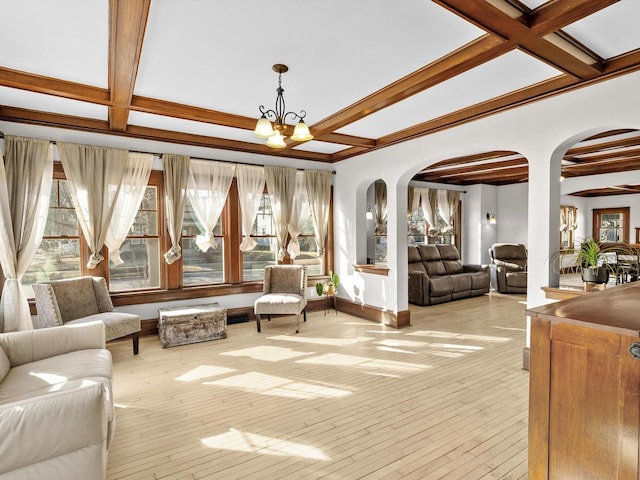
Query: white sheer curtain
{"points": [[380, 197], [134, 184], [207, 190], [25, 190], [281, 184], [299, 214], [448, 204], [250, 189], [413, 201], [95, 176], [176, 173], [428, 203], [319, 194]]}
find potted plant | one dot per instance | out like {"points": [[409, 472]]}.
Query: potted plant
{"points": [[330, 286], [590, 259]]}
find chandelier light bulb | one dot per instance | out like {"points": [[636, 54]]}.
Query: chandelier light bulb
{"points": [[276, 140], [263, 128]]}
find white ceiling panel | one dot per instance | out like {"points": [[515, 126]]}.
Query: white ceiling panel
{"points": [[320, 147], [48, 103], [506, 73], [219, 55], [533, 4], [189, 126], [611, 31], [66, 39]]}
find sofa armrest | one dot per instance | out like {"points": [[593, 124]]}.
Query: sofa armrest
{"points": [[29, 346], [474, 268], [419, 288], [41, 428]]}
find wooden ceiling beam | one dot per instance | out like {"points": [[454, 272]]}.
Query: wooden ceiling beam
{"points": [[127, 22], [556, 14], [599, 147], [612, 154], [478, 157], [21, 115], [496, 167], [517, 98], [469, 56], [493, 20], [53, 86]]}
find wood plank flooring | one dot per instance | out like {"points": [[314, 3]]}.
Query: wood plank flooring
{"points": [[345, 399]]}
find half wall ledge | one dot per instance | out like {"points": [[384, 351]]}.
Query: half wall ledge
{"points": [[372, 268]]}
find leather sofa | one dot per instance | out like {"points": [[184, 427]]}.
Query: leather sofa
{"points": [[436, 275], [508, 267], [56, 408]]}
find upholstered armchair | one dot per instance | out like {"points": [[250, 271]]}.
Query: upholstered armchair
{"points": [[285, 293], [509, 267], [83, 299]]}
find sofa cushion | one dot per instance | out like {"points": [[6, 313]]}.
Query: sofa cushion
{"points": [[461, 282], [116, 324], [52, 373], [515, 265], [479, 280], [439, 286], [429, 253], [76, 298], [5, 365], [413, 254]]}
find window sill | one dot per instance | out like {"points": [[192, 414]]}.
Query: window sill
{"points": [[373, 269]]}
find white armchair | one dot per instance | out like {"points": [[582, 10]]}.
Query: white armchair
{"points": [[285, 293], [79, 300]]}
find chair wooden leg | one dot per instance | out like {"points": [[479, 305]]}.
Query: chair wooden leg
{"points": [[258, 321], [298, 323], [136, 343], [304, 312]]}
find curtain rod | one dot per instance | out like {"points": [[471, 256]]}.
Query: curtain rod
{"points": [[333, 172]]}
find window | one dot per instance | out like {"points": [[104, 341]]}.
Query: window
{"points": [[611, 224], [308, 250], [263, 232], [63, 252], [568, 224], [58, 256], [198, 267], [140, 251]]}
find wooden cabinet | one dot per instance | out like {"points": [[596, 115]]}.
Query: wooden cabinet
{"points": [[584, 394]]}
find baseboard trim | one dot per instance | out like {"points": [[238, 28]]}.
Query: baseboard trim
{"points": [[375, 314]]}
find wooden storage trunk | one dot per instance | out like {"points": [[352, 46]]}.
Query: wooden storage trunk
{"points": [[191, 324]]}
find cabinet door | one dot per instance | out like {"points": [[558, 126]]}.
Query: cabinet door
{"points": [[593, 405]]}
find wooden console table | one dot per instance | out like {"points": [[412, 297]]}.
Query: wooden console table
{"points": [[584, 395]]}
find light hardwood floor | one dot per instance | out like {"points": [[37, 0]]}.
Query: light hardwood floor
{"points": [[345, 399]]}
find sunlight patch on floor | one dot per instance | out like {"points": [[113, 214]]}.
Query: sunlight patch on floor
{"points": [[267, 353], [338, 359], [336, 342], [395, 350], [459, 336], [394, 342], [203, 371], [256, 382], [240, 441]]}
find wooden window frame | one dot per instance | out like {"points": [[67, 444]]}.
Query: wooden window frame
{"points": [[171, 288], [597, 220]]}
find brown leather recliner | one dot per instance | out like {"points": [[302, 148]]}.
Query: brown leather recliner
{"points": [[509, 267]]}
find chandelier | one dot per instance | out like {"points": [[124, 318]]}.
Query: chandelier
{"points": [[275, 133]]}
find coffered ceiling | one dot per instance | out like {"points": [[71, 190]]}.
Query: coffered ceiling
{"points": [[369, 73]]}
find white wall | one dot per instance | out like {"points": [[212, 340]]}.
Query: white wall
{"points": [[541, 131], [513, 213]]}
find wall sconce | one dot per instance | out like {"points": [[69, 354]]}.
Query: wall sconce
{"points": [[369, 213], [491, 218]]}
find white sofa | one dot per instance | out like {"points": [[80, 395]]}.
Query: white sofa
{"points": [[56, 409]]}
